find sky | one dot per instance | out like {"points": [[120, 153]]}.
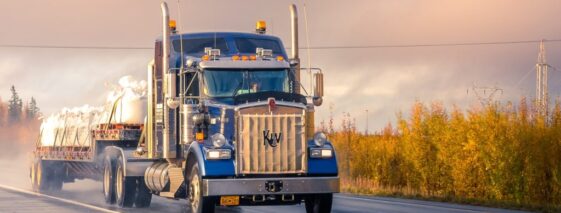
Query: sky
{"points": [[384, 81]]}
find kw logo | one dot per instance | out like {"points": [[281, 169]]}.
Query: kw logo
{"points": [[273, 139]]}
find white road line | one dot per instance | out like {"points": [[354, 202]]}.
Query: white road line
{"points": [[406, 204], [57, 198]]}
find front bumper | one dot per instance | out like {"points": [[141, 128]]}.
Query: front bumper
{"points": [[256, 186]]}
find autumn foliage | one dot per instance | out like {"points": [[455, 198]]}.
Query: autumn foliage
{"points": [[498, 153]]}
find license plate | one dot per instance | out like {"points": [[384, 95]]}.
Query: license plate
{"points": [[229, 200]]}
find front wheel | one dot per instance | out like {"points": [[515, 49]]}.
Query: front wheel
{"points": [[198, 203], [320, 203]]}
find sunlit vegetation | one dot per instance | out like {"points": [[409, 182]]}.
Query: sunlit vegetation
{"points": [[505, 155]]}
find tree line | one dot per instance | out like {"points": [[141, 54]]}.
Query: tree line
{"points": [[499, 153], [15, 111], [19, 124]]}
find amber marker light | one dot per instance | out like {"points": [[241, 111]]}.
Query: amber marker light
{"points": [[245, 58], [252, 57], [205, 58], [200, 136], [235, 58], [172, 25], [280, 58]]}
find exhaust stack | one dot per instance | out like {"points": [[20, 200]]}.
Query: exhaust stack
{"points": [[168, 139], [295, 58]]}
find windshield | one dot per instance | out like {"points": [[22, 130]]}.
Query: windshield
{"points": [[197, 45], [248, 45], [228, 83]]}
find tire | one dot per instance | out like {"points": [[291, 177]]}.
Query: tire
{"points": [[33, 175], [320, 203], [143, 195], [125, 187], [198, 203], [56, 179], [42, 176], [109, 179]]}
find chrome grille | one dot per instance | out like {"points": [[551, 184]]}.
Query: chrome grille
{"points": [[256, 156]]}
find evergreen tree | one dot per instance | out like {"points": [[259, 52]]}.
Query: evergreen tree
{"points": [[14, 107], [31, 110], [2, 113]]}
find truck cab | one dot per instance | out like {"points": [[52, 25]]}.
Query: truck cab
{"points": [[227, 124]]}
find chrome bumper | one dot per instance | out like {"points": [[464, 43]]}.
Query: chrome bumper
{"points": [[256, 186]]}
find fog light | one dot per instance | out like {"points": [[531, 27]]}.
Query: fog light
{"points": [[320, 138], [218, 140]]}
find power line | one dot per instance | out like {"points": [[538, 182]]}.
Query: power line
{"points": [[74, 47], [312, 47], [434, 45]]}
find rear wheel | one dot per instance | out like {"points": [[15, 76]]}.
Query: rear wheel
{"points": [[56, 176], [33, 175], [109, 180], [198, 203], [320, 203], [42, 176], [125, 187]]}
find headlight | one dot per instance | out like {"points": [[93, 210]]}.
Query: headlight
{"points": [[218, 154], [321, 153], [319, 139], [218, 140]]}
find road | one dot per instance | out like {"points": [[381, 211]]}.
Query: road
{"points": [[86, 196]]}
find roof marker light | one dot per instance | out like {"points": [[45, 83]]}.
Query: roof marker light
{"points": [[261, 27]]}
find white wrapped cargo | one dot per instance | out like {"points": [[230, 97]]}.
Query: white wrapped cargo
{"points": [[73, 127]]}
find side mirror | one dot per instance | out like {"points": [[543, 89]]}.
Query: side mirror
{"points": [[318, 90]]}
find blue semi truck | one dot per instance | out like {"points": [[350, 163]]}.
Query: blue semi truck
{"points": [[227, 124]]}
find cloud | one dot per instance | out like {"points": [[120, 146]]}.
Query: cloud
{"points": [[382, 80]]}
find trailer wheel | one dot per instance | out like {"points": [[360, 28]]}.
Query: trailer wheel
{"points": [[125, 187], [143, 196], [56, 179], [33, 175], [319, 203], [198, 203], [42, 176], [109, 180]]}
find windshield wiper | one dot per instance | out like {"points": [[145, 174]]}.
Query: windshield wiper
{"points": [[240, 85]]}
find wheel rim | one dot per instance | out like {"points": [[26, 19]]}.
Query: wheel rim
{"points": [[119, 183], [33, 175], [194, 194], [39, 174], [106, 181]]}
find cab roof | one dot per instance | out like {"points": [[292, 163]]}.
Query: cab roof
{"points": [[229, 43]]}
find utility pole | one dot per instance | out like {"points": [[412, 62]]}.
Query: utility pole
{"points": [[366, 129], [541, 82]]}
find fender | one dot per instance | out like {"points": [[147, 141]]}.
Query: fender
{"points": [[133, 167], [195, 150], [211, 168], [318, 166]]}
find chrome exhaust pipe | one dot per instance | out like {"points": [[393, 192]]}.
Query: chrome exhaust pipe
{"points": [[295, 58], [168, 146]]}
